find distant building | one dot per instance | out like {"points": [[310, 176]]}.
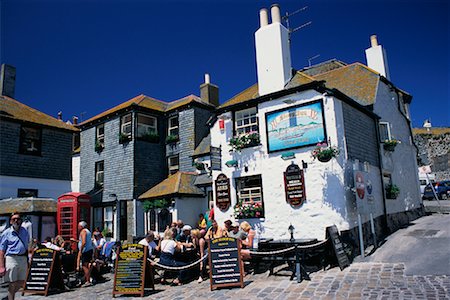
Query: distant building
{"points": [[268, 133], [131, 148]]}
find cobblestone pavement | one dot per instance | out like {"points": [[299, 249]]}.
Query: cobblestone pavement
{"points": [[364, 280]]}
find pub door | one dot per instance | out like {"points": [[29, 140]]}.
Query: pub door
{"points": [[123, 220]]}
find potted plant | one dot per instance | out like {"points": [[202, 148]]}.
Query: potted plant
{"points": [[389, 145], [392, 191], [248, 210], [99, 146], [324, 153], [242, 141], [172, 138], [124, 138], [199, 165]]}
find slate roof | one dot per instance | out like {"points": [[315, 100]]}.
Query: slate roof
{"points": [[180, 183], [150, 103], [204, 148], [27, 205], [16, 111]]}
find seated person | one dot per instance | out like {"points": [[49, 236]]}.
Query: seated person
{"points": [[48, 243], [227, 226], [98, 242], [149, 241], [215, 231], [236, 232], [201, 225], [168, 248], [185, 238], [247, 244]]}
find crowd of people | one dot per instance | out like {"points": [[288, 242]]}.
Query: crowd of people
{"points": [[180, 245]]}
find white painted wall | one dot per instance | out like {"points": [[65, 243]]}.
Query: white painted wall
{"points": [[326, 202], [402, 162], [47, 188], [75, 183], [377, 60]]}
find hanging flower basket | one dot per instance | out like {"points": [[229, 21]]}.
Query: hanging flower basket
{"points": [[392, 191], [240, 142], [324, 153], [389, 145]]}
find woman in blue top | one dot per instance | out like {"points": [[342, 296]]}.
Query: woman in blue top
{"points": [[85, 252]]}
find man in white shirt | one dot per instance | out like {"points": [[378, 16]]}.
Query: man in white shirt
{"points": [[48, 244], [149, 242]]}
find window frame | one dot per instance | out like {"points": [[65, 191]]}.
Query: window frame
{"points": [[172, 169], [170, 128], [98, 172], [35, 142], [238, 184], [237, 118], [129, 123], [100, 138], [21, 193], [388, 131]]}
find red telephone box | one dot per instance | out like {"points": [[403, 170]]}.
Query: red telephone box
{"points": [[71, 209]]}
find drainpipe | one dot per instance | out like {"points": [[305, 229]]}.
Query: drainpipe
{"points": [[380, 166]]}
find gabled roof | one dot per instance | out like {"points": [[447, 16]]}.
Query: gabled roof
{"points": [[150, 103], [204, 148], [180, 183], [14, 110]]}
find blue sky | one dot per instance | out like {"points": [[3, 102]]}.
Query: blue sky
{"points": [[83, 57]]}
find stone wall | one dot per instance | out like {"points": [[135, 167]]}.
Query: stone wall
{"points": [[434, 150]]}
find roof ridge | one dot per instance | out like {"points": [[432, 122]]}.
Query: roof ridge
{"points": [[305, 75]]}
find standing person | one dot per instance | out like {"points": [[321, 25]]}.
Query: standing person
{"points": [[200, 245], [14, 254], [98, 242], [85, 252]]}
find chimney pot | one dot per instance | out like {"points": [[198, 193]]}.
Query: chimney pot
{"points": [[263, 17], [75, 120], [275, 12], [373, 40], [60, 115], [207, 78], [7, 80]]}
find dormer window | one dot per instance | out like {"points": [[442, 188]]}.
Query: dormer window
{"points": [[246, 121], [30, 140]]}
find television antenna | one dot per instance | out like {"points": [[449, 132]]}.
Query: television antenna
{"points": [[286, 17], [312, 58]]}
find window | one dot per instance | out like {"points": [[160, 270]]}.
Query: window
{"points": [[30, 140], [125, 125], [246, 121], [146, 125], [385, 131], [99, 174], [100, 135], [108, 219], [174, 162], [173, 126], [76, 141], [249, 194], [23, 193]]}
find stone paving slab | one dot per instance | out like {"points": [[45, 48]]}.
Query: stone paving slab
{"points": [[364, 280]]}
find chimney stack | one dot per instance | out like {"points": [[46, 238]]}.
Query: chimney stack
{"points": [[273, 56], [377, 58], [75, 120], [60, 115], [7, 80], [209, 92]]}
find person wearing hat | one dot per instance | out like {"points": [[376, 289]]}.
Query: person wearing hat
{"points": [[236, 232], [149, 241], [185, 238]]}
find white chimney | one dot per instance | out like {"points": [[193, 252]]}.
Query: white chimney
{"points": [[273, 56], [376, 58]]}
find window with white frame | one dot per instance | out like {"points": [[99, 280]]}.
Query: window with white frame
{"points": [[100, 135], [125, 125], [385, 131], [174, 164], [108, 219], [99, 173], [249, 194], [172, 129], [246, 121], [30, 140], [146, 125]]}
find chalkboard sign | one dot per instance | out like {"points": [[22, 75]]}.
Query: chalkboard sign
{"points": [[294, 185], [223, 199], [44, 272], [225, 263], [130, 271], [338, 247]]}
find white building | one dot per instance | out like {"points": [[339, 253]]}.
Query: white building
{"points": [[278, 122]]}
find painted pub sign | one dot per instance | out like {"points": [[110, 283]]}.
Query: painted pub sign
{"points": [[223, 199], [294, 184]]}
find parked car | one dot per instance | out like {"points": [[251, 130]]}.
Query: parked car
{"points": [[442, 189]]}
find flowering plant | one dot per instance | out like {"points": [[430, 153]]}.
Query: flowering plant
{"points": [[392, 191], [389, 145], [242, 141], [324, 153], [248, 210]]}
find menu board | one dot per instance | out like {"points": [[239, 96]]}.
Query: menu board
{"points": [[44, 272], [131, 265], [338, 247], [223, 200], [294, 185], [225, 263], [216, 158]]}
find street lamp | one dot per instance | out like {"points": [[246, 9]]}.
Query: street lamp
{"points": [[291, 231]]}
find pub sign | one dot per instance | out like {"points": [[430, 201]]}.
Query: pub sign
{"points": [[223, 199], [294, 184]]}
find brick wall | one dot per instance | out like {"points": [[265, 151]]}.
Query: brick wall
{"points": [[55, 161], [360, 135]]}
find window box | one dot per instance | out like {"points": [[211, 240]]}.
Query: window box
{"points": [[124, 138], [244, 141], [389, 145], [248, 210], [249, 198], [172, 138], [99, 146], [150, 137]]}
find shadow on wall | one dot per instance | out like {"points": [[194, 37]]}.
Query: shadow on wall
{"points": [[332, 197], [246, 160]]}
